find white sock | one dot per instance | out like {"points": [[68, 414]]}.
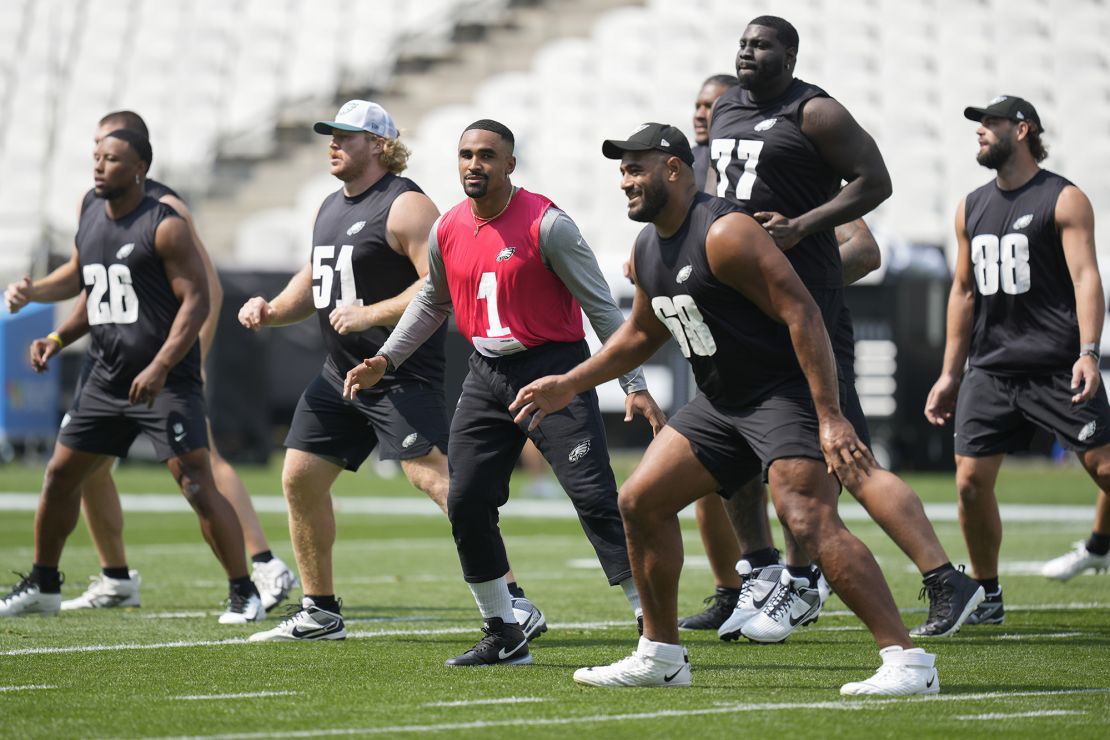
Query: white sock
{"points": [[632, 595], [493, 599], [661, 650]]}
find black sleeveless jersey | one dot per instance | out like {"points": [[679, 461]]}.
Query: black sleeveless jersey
{"points": [[739, 354], [352, 262], [153, 188], [130, 303], [1024, 321], [765, 162]]}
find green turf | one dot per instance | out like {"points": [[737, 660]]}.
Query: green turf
{"points": [[406, 603]]}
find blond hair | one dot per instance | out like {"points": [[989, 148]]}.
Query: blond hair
{"points": [[395, 155]]}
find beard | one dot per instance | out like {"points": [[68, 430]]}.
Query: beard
{"points": [[476, 189], [996, 155], [653, 199], [106, 193]]}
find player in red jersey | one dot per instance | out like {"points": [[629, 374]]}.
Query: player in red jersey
{"points": [[518, 274]]}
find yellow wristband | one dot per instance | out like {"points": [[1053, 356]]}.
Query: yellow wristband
{"points": [[54, 335]]}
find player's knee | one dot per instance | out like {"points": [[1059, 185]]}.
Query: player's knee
{"points": [[633, 505], [969, 486], [58, 482]]}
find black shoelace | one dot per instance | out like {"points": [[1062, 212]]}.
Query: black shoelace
{"points": [[780, 603], [490, 641], [26, 583], [939, 606], [237, 602]]}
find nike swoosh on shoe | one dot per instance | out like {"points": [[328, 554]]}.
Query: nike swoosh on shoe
{"points": [[502, 655], [668, 679]]}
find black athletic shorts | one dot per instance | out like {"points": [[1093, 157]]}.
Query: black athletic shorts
{"points": [[408, 419], [996, 414], [737, 444], [105, 423]]}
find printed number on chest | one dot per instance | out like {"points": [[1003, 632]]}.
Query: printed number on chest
{"points": [[1001, 263], [326, 266], [112, 298], [746, 152], [681, 315]]}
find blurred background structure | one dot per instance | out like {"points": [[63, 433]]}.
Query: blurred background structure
{"points": [[230, 88]]}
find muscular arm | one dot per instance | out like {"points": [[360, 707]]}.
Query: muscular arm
{"points": [[1075, 221], [568, 255], [427, 311], [859, 252], [745, 258], [961, 304], [184, 268], [851, 153], [294, 303], [215, 290], [64, 282]]}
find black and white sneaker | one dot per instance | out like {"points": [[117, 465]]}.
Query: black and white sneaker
{"points": [[718, 608], [758, 586], [529, 616], [990, 611], [953, 596], [504, 644], [26, 597], [242, 608], [304, 623]]}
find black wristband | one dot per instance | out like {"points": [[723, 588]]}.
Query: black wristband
{"points": [[389, 366]]}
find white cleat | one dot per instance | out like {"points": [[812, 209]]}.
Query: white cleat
{"points": [[1072, 563], [794, 604], [26, 598], [242, 609], [308, 623], [903, 673], [273, 580], [755, 591], [530, 618], [107, 593], [652, 664]]}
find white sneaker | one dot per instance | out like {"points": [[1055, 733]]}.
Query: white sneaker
{"points": [[794, 604], [242, 609], [273, 580], [530, 618], [26, 598], [903, 672], [308, 623], [105, 593], [756, 588], [1073, 563], [651, 664]]}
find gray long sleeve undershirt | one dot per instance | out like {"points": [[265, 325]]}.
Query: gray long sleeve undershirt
{"points": [[564, 251]]}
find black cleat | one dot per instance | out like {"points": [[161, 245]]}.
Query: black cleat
{"points": [[990, 611], [718, 607], [504, 644], [953, 597]]}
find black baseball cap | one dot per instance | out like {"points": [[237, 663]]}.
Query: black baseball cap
{"points": [[1005, 106], [648, 136]]}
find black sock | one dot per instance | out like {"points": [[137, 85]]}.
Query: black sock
{"points": [[263, 557], [243, 586], [515, 591], [1098, 544], [120, 574], [48, 579], [935, 572], [328, 603], [990, 585], [803, 571], [728, 590], [763, 558]]}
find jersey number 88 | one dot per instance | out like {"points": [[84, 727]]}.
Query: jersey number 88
{"points": [[1002, 261]]}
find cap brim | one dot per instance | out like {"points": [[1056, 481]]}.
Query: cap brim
{"points": [[975, 114], [613, 149], [326, 127]]}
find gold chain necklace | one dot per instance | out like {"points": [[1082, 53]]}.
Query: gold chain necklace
{"points": [[479, 222]]}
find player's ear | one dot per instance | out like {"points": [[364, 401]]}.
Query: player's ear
{"points": [[511, 165], [674, 168], [790, 59]]}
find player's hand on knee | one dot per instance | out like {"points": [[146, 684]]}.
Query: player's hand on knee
{"points": [[41, 352], [642, 403], [845, 454], [18, 294], [255, 313], [1084, 379], [148, 384], [941, 402], [540, 398], [363, 376]]}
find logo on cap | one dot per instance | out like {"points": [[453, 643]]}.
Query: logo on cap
{"points": [[640, 128], [348, 107], [999, 99]]}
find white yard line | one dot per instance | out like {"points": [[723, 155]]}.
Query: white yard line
{"points": [[29, 687], [1015, 715], [468, 702], [523, 507], [846, 705], [244, 695], [1039, 636]]}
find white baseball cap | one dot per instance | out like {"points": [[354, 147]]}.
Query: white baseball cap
{"points": [[360, 115]]}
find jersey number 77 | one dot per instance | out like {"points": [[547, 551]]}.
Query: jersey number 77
{"points": [[746, 153]]}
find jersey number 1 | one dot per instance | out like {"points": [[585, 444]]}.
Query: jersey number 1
{"points": [[487, 291], [122, 306], [325, 274]]}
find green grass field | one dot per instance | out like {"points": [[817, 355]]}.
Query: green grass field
{"points": [[168, 669]]}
